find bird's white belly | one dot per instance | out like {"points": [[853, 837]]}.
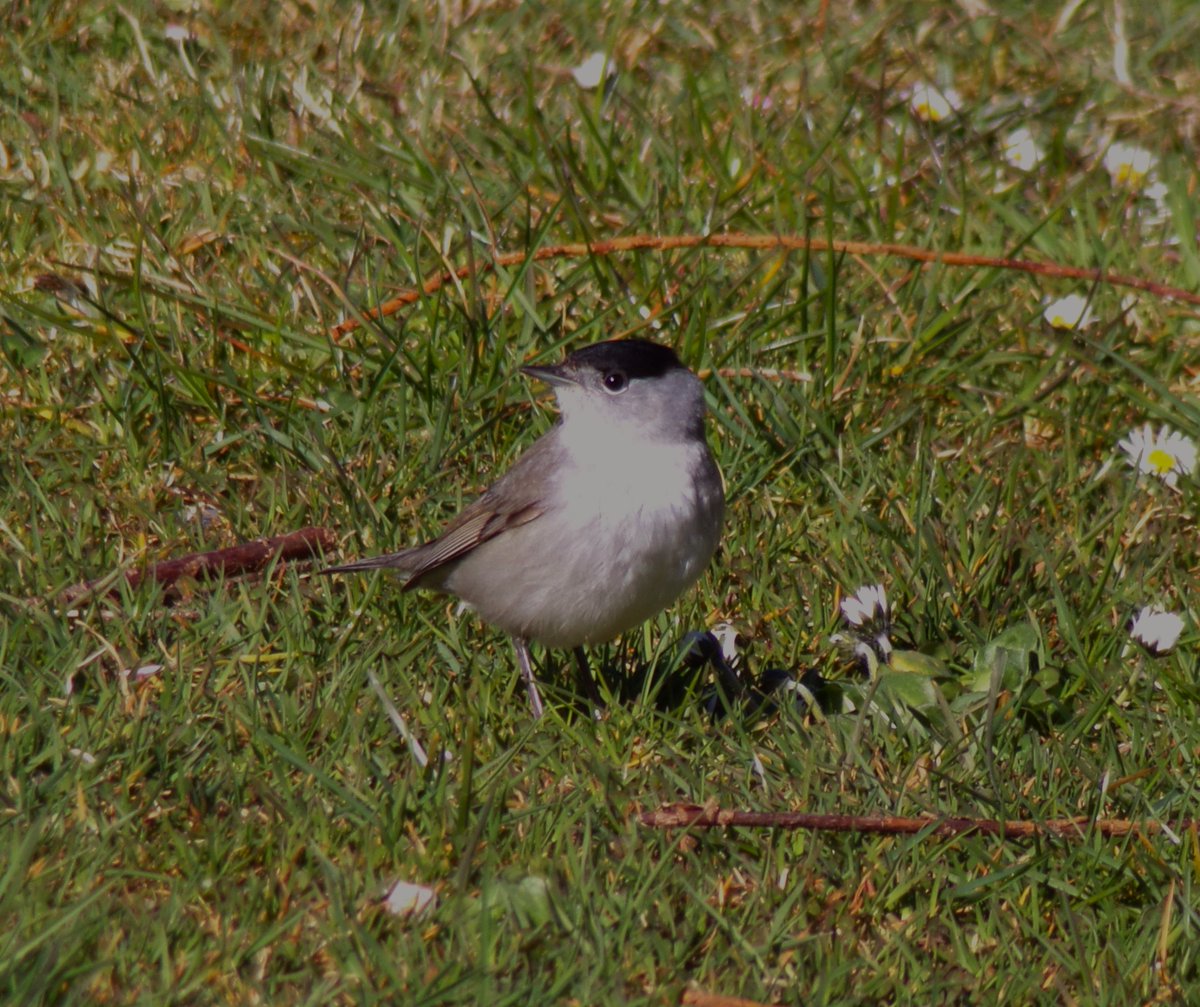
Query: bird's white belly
{"points": [[620, 543]]}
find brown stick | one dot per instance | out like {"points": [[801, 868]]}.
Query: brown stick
{"points": [[763, 242], [248, 557], [675, 816]]}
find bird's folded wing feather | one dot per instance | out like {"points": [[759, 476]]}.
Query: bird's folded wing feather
{"points": [[474, 526]]}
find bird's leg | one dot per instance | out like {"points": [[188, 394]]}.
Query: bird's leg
{"points": [[584, 680], [521, 646]]}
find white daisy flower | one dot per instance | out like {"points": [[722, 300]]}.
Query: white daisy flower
{"points": [[592, 71], [932, 104], [869, 620], [867, 604], [1155, 629], [1070, 312], [1167, 453], [1021, 150], [1128, 165]]}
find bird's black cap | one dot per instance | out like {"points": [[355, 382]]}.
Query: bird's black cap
{"points": [[636, 358]]}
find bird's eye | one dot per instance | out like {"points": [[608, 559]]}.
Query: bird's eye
{"points": [[615, 382]]}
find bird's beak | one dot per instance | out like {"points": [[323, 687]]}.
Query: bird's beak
{"points": [[554, 375]]}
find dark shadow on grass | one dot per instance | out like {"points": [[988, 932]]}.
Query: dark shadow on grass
{"points": [[696, 675]]}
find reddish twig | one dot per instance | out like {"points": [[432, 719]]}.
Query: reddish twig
{"points": [[675, 816], [761, 242], [249, 557]]}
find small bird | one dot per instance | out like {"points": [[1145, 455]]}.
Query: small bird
{"points": [[607, 519]]}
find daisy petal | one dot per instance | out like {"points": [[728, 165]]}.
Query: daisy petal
{"points": [[1156, 629], [592, 71]]}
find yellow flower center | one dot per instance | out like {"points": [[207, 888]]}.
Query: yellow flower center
{"points": [[1128, 175], [1161, 461]]}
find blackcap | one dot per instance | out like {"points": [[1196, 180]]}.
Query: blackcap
{"points": [[603, 522]]}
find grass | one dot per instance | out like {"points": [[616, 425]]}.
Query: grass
{"points": [[182, 223]]}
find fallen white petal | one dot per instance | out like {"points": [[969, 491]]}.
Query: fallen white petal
{"points": [[85, 757], [407, 899], [592, 71]]}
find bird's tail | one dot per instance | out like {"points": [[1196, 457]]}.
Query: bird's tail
{"points": [[398, 561]]}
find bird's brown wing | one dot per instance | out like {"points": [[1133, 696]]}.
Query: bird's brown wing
{"points": [[483, 520], [515, 499]]}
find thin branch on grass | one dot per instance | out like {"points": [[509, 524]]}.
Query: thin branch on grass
{"points": [[760, 242], [249, 557], [698, 998], [675, 816]]}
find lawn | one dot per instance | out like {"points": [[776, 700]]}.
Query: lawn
{"points": [[204, 797]]}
